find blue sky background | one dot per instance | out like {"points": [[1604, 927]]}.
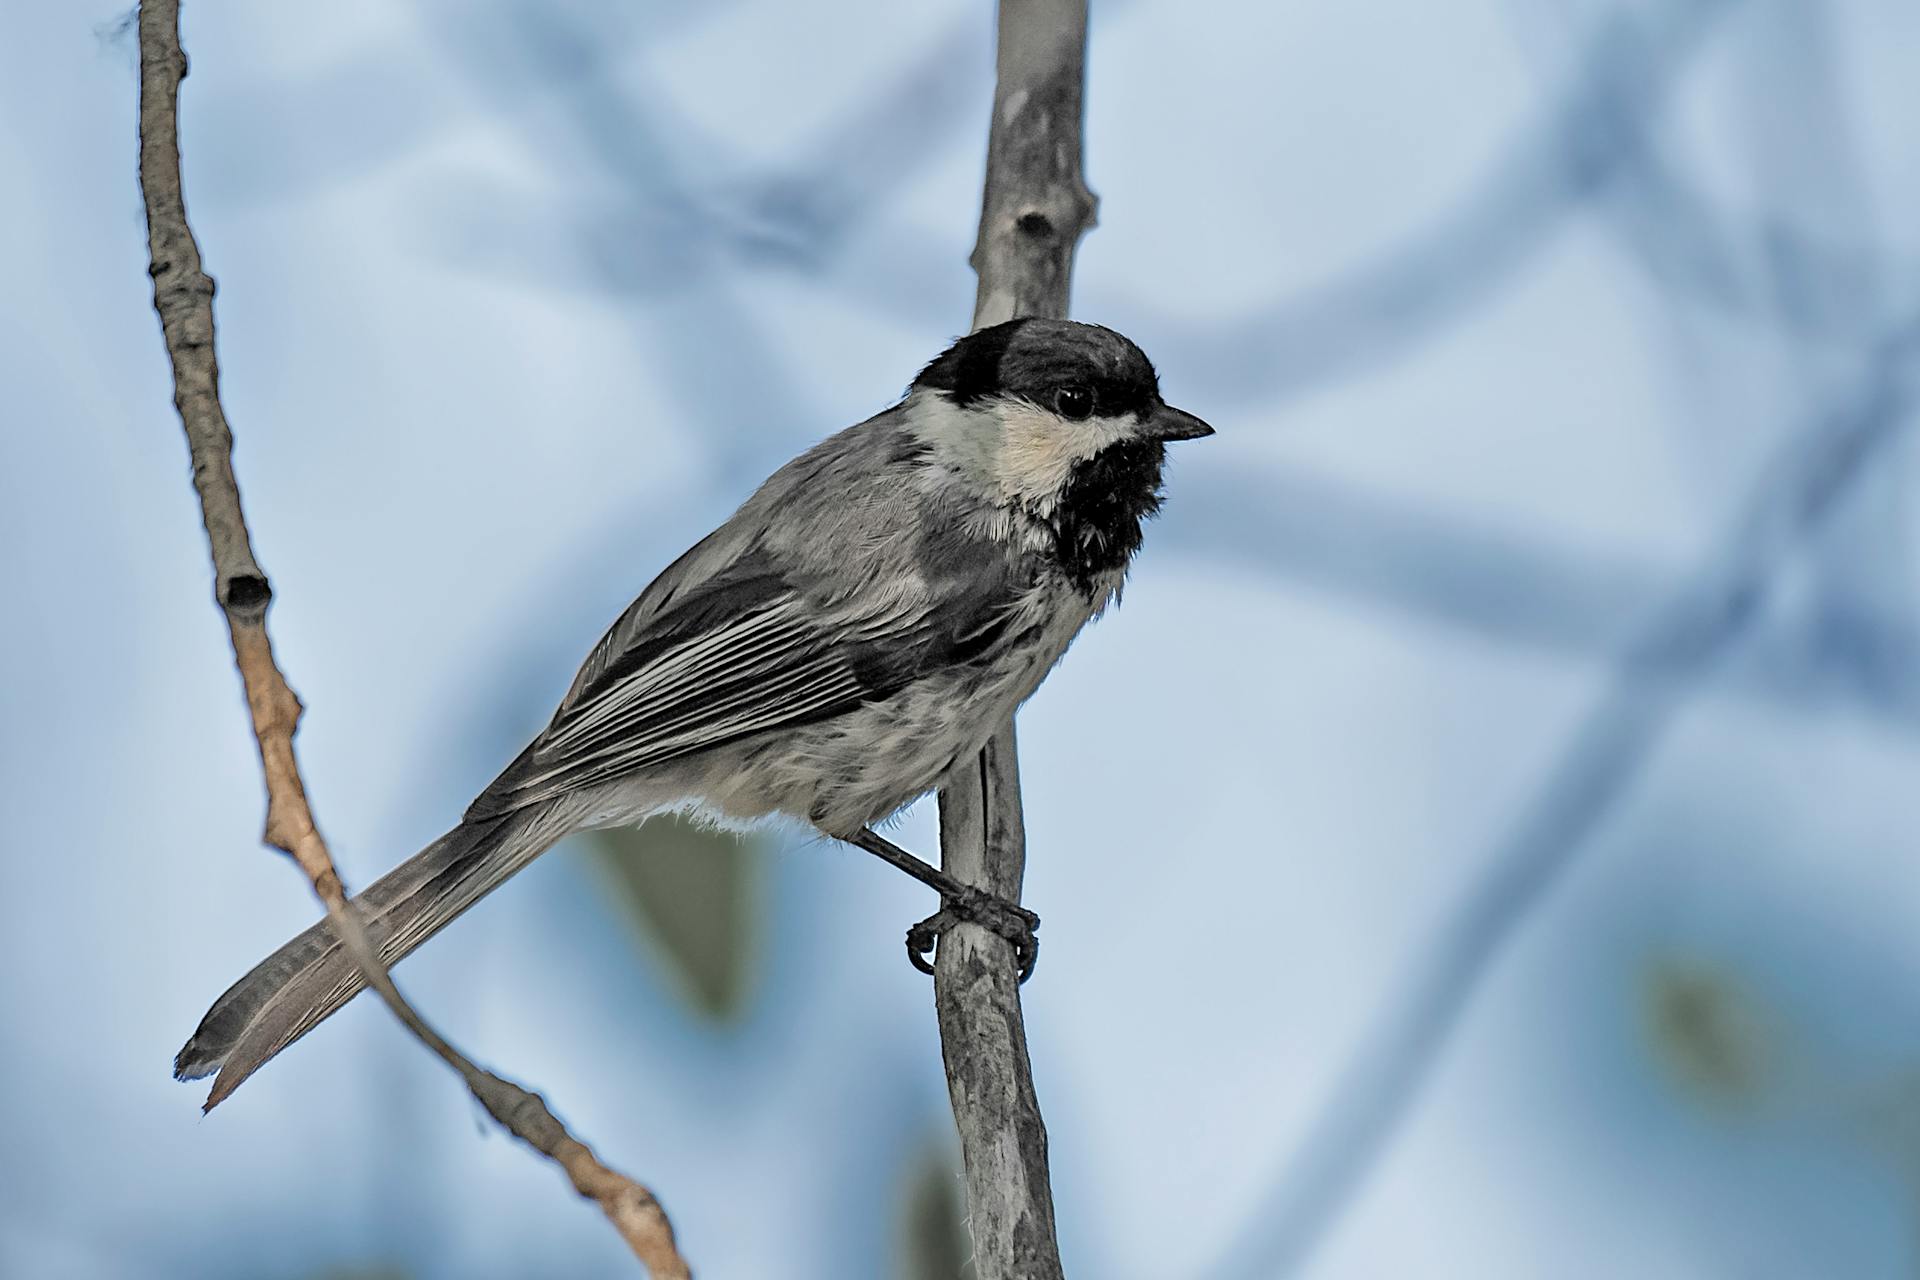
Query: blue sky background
{"points": [[1507, 311]]}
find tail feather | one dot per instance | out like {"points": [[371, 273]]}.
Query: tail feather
{"points": [[306, 981]]}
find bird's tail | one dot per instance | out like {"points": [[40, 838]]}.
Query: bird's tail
{"points": [[303, 983]]}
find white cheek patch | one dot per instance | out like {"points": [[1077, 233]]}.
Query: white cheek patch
{"points": [[1039, 449], [962, 443], [1009, 451]]}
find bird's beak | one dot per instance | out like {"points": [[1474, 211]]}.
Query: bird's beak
{"points": [[1169, 423]]}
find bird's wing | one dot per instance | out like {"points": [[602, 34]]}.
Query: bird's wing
{"points": [[713, 556], [745, 651], [832, 489]]}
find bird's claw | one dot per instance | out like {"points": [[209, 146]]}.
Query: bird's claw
{"points": [[974, 905]]}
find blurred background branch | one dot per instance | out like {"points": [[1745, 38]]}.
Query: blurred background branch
{"points": [[1855, 637], [1809, 292], [1706, 618]]}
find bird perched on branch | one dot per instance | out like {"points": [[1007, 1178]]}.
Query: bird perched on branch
{"points": [[865, 621]]}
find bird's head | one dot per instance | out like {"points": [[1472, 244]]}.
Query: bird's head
{"points": [[1060, 420]]}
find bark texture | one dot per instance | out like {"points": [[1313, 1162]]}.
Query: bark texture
{"points": [[1035, 209]]}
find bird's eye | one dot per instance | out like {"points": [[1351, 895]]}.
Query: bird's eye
{"points": [[1073, 403]]}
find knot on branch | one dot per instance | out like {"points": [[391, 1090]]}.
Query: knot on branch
{"points": [[246, 593], [326, 883], [521, 1112]]}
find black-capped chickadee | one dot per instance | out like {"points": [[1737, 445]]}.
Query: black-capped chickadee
{"points": [[866, 620]]}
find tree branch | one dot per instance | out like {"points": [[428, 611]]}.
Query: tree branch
{"points": [[1036, 208], [183, 297]]}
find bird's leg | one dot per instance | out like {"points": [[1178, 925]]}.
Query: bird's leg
{"points": [[958, 902]]}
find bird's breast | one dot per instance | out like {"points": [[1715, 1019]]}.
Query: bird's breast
{"points": [[860, 767]]}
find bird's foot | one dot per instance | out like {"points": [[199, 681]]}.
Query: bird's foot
{"points": [[973, 905]]}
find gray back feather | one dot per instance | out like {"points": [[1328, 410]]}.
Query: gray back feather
{"points": [[836, 584]]}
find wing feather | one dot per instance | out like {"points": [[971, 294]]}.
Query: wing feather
{"points": [[725, 678], [736, 640]]}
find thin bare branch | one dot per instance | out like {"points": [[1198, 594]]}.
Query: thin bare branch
{"points": [[183, 297], [1036, 208]]}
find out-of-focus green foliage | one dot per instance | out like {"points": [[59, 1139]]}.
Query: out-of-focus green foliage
{"points": [[695, 893], [933, 1230], [1884, 1117], [1708, 1030]]}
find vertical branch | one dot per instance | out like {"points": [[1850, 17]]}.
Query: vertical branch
{"points": [[183, 297], [1035, 209], [1037, 205]]}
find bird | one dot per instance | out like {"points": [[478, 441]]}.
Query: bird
{"points": [[867, 619]]}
